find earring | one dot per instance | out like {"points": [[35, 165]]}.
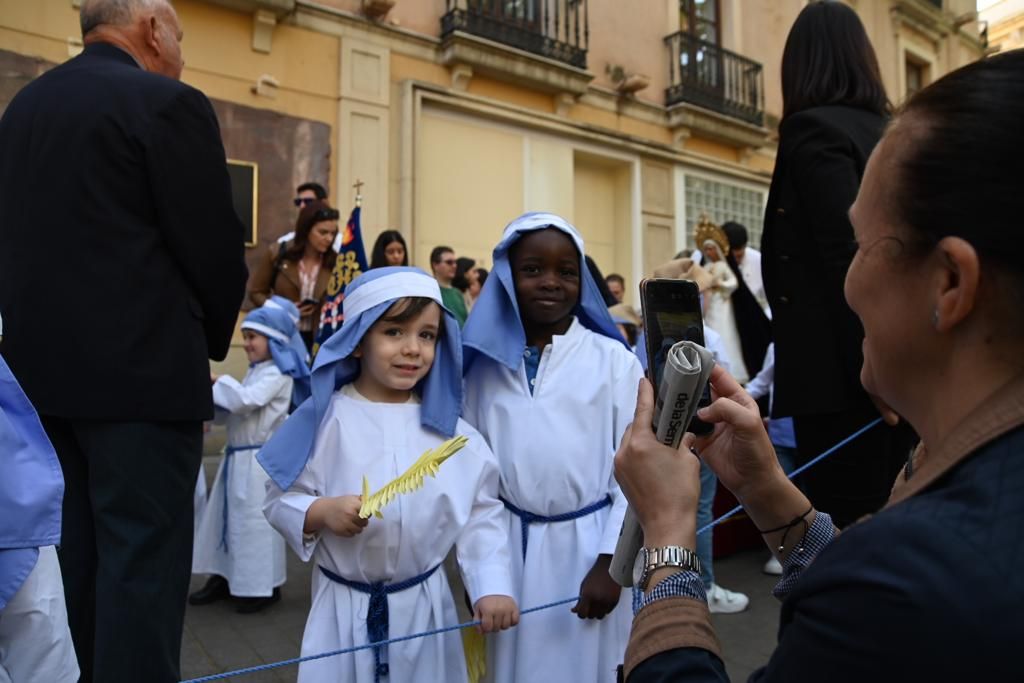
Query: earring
{"points": [[935, 318]]}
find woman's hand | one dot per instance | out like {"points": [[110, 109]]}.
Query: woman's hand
{"points": [[340, 515], [738, 451], [306, 310], [495, 613], [598, 593], [661, 483]]}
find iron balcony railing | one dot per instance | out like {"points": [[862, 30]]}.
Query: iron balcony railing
{"points": [[556, 29], [709, 76]]}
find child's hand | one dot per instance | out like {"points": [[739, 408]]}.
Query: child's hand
{"points": [[214, 377], [495, 613], [598, 593], [339, 515]]}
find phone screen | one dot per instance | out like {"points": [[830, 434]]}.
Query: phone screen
{"points": [[672, 314]]}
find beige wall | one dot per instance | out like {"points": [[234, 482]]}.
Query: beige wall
{"points": [[1005, 24]]}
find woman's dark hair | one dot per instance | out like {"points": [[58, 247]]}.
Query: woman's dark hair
{"points": [[409, 307], [828, 59], [311, 214], [481, 276], [384, 240], [959, 161], [463, 264]]}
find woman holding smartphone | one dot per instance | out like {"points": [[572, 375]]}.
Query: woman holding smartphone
{"points": [[300, 269]]}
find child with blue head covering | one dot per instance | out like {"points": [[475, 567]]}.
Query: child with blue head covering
{"points": [[386, 387], [551, 384], [234, 543], [35, 642]]}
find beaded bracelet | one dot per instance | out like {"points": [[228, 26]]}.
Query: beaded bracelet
{"points": [[802, 519]]}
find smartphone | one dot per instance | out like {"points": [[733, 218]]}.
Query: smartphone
{"points": [[312, 302], [672, 313]]}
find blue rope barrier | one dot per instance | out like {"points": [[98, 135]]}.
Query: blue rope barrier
{"points": [[366, 646], [446, 629]]}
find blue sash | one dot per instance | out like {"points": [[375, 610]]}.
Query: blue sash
{"points": [[528, 518], [377, 612], [228, 452]]}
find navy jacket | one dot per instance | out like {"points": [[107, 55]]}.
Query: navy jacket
{"points": [[121, 270], [930, 589]]}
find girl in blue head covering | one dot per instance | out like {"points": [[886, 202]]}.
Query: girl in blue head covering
{"points": [[386, 388], [551, 384], [234, 543]]}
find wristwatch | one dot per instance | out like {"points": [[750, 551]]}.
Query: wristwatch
{"points": [[650, 559]]}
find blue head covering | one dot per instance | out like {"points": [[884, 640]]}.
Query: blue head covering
{"points": [[301, 389], [367, 298], [495, 330], [31, 488], [279, 302], [277, 327]]}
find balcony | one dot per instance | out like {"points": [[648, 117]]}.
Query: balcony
{"points": [[555, 29], [708, 76]]}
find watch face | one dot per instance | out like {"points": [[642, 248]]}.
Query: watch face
{"points": [[639, 565]]}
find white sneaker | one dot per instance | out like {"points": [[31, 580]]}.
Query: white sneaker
{"points": [[773, 567], [723, 601]]}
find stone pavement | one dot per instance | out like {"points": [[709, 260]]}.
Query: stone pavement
{"points": [[217, 639]]}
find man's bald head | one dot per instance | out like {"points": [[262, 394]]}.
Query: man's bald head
{"points": [[146, 29]]}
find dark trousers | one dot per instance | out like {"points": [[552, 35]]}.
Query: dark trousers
{"points": [[855, 480], [126, 545]]}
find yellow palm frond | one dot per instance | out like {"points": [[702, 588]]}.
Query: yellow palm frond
{"points": [[476, 653], [411, 479]]}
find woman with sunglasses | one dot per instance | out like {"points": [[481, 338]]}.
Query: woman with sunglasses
{"points": [[300, 269]]}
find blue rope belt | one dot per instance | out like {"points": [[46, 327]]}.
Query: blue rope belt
{"points": [[528, 518], [377, 612], [228, 452]]}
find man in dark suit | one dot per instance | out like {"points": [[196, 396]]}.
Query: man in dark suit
{"points": [[115, 290]]}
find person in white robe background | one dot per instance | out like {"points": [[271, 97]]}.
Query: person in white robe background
{"points": [[35, 641], [551, 384], [234, 543], [718, 312], [386, 388]]}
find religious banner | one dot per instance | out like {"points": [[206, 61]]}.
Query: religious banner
{"points": [[350, 264]]}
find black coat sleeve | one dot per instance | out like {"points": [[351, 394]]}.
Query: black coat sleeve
{"points": [[682, 665], [192, 199]]}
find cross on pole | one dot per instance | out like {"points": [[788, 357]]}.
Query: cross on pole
{"points": [[358, 185]]}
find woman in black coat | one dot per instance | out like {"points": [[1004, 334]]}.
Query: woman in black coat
{"points": [[834, 112]]}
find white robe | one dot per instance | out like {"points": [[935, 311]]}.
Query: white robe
{"points": [[254, 562], [719, 316], [35, 642], [556, 449], [459, 507]]}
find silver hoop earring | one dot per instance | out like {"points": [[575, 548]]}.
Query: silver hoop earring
{"points": [[935, 318]]}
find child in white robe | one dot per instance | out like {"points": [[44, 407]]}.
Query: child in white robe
{"points": [[551, 385], [386, 388], [35, 641], [235, 543]]}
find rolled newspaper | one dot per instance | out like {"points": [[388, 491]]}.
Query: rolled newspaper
{"points": [[687, 369]]}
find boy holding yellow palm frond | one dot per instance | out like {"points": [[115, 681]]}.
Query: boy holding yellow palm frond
{"points": [[386, 395]]}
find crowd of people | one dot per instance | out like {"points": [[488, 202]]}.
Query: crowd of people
{"points": [[884, 289]]}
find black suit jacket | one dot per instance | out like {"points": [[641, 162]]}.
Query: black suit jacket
{"points": [[807, 248], [121, 257]]}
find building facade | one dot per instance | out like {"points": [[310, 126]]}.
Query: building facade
{"points": [[1004, 24], [628, 118]]}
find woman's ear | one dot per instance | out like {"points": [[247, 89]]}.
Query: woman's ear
{"points": [[358, 352], [957, 283]]}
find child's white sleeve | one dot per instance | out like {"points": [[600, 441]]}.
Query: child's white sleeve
{"points": [[286, 512], [483, 546], [625, 383], [240, 399]]}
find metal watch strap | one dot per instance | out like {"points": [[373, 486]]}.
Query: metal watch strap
{"points": [[671, 556]]}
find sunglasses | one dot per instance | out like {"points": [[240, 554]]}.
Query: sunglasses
{"points": [[302, 201]]}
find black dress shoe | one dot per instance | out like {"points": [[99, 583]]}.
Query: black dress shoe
{"points": [[253, 605], [215, 589]]}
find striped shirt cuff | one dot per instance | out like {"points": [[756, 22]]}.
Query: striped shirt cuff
{"points": [[818, 535], [685, 584]]}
